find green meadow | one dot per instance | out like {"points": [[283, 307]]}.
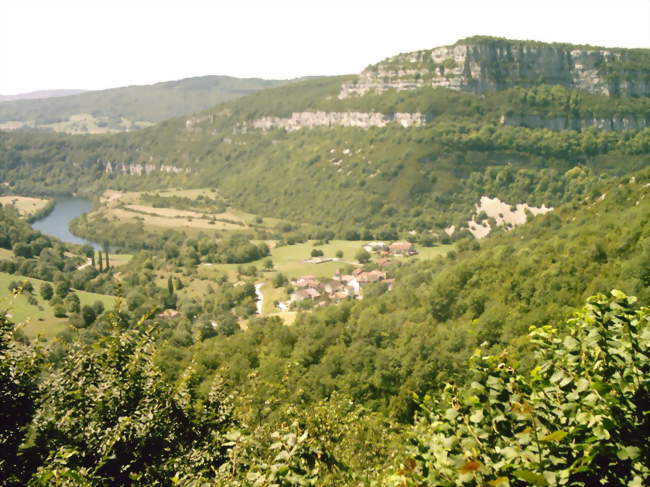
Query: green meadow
{"points": [[39, 320]]}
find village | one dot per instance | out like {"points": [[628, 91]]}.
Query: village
{"points": [[309, 291]]}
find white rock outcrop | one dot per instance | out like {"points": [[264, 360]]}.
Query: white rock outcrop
{"points": [[503, 214], [137, 169], [299, 120]]}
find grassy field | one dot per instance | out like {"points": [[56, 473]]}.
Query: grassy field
{"points": [[193, 287], [433, 252], [6, 254], [271, 294], [80, 123], [128, 207], [117, 260], [290, 261], [39, 319], [26, 206]]}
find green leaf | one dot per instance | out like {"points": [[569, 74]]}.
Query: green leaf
{"points": [[477, 416], [531, 477], [555, 436], [628, 453]]}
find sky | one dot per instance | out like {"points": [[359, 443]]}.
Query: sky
{"points": [[99, 44]]}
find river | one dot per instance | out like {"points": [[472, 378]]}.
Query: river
{"points": [[57, 223]]}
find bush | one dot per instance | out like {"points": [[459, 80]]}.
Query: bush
{"points": [[46, 291], [72, 303], [59, 311], [362, 256]]}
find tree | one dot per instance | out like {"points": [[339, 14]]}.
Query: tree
{"points": [[579, 418], [21, 249], [47, 291], [59, 311], [98, 306], [19, 375], [108, 417], [72, 303], [339, 254], [88, 314], [362, 256], [87, 250], [279, 280], [100, 260], [170, 285], [268, 264], [62, 288], [316, 253], [27, 286]]}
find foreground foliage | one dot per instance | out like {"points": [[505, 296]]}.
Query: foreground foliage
{"points": [[107, 417], [580, 418]]}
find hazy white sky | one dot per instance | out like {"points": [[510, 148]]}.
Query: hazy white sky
{"points": [[93, 44]]}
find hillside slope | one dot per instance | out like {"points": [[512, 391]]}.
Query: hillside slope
{"points": [[381, 350], [416, 160], [127, 107], [39, 94]]}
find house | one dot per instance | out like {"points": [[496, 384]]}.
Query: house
{"points": [[341, 295], [307, 281], [333, 286], [299, 295], [402, 248], [375, 247], [372, 276], [312, 293], [383, 262]]}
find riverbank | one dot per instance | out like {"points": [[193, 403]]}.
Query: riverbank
{"points": [[57, 221]]}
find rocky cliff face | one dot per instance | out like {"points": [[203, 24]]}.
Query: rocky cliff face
{"points": [[485, 65], [300, 120], [137, 169], [616, 123]]}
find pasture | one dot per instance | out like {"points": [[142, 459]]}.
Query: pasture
{"points": [[39, 320], [25, 205], [129, 207]]}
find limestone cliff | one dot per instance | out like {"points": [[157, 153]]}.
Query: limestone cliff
{"points": [[300, 120], [137, 169], [482, 64]]}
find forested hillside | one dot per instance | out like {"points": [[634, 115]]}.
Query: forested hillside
{"points": [[407, 158], [463, 347], [355, 394]]}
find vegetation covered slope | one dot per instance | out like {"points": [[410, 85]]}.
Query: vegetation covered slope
{"points": [[381, 350], [538, 144], [273, 405], [131, 106]]}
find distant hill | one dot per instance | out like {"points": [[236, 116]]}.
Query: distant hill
{"points": [[120, 109], [32, 95]]}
